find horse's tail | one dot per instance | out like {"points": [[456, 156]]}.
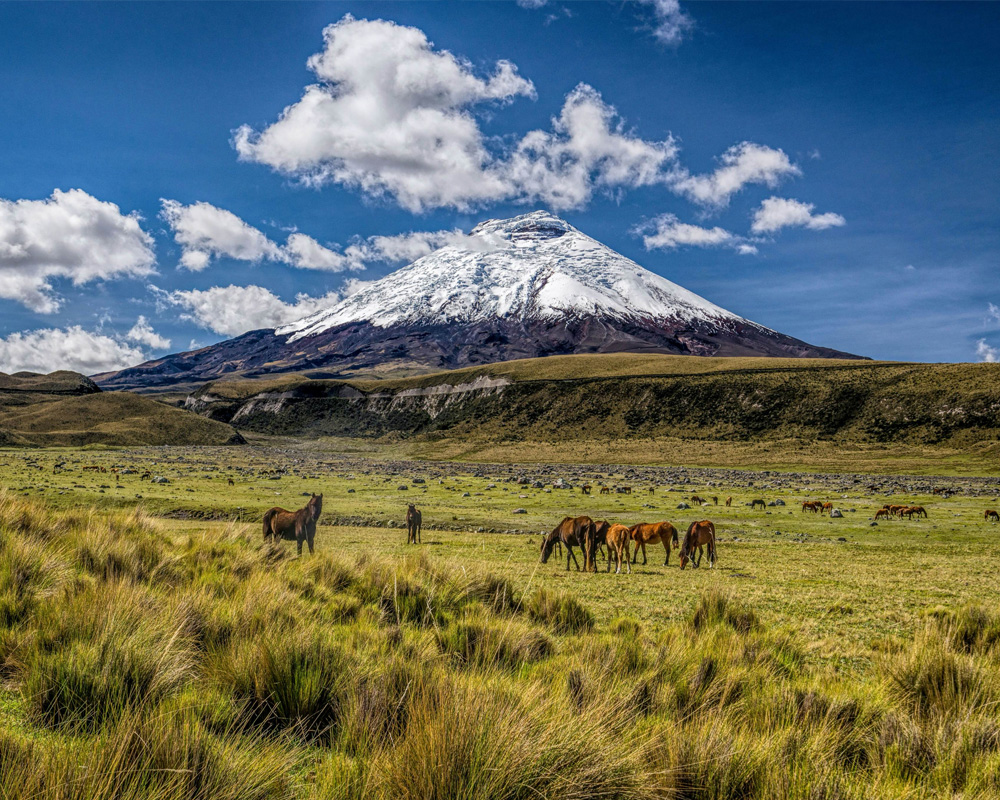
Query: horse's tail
{"points": [[268, 516], [674, 536]]}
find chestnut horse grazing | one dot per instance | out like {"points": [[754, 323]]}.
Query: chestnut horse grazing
{"points": [[572, 532], [650, 533], [413, 522], [991, 516], [882, 513], [298, 526], [698, 534], [617, 538]]}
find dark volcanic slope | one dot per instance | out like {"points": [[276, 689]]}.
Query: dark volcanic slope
{"points": [[522, 288], [359, 347]]}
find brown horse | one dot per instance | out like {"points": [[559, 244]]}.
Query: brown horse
{"points": [[698, 534], [920, 511], [729, 502], [617, 537], [605, 490], [232, 482], [650, 533], [991, 516], [298, 526], [882, 513], [812, 505], [758, 502], [572, 532], [715, 500], [413, 523], [827, 507], [586, 488], [696, 499], [600, 540]]}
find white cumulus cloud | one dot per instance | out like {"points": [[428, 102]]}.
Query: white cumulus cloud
{"points": [[588, 147], [69, 235], [390, 115], [668, 232], [740, 165], [143, 333], [672, 24], [49, 349], [233, 310], [776, 213], [987, 353], [205, 232]]}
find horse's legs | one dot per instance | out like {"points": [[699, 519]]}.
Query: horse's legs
{"points": [[570, 554], [609, 559], [310, 535], [628, 563], [419, 526], [666, 546]]}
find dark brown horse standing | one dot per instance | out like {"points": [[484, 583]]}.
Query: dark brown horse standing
{"points": [[573, 532], [298, 526], [413, 523], [650, 533], [698, 534]]}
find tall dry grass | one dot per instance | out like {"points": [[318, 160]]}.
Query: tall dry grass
{"points": [[137, 666]]}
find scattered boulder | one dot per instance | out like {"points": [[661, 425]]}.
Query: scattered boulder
{"points": [[683, 506], [519, 511], [417, 480], [836, 514], [403, 487], [160, 479]]}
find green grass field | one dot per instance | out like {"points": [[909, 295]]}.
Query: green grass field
{"points": [[150, 641]]}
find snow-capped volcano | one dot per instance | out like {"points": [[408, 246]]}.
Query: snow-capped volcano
{"points": [[514, 288], [535, 266]]}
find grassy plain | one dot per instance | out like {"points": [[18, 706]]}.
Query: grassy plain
{"points": [[150, 642]]}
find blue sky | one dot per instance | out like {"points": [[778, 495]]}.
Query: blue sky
{"points": [[852, 146]]}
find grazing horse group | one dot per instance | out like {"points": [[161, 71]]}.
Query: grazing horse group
{"points": [[590, 536], [901, 511]]}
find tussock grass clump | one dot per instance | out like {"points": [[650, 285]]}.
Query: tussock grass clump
{"points": [[560, 610], [715, 608], [935, 680], [506, 749], [285, 682], [480, 643]]}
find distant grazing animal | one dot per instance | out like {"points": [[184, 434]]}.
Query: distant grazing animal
{"points": [[882, 513], [298, 526], [696, 499], [617, 538], [729, 502], [715, 500], [991, 516], [698, 534], [812, 505], [826, 507], [912, 511], [756, 503], [586, 488], [94, 468], [232, 482], [605, 490], [413, 522], [146, 476], [624, 490], [652, 490], [650, 533], [572, 532], [896, 511]]}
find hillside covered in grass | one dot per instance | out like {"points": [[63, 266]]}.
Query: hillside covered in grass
{"points": [[611, 397], [141, 665], [66, 408]]}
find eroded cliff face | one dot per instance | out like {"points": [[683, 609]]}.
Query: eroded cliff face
{"points": [[869, 403], [345, 410]]}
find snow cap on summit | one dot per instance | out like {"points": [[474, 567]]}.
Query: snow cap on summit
{"points": [[533, 267]]}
